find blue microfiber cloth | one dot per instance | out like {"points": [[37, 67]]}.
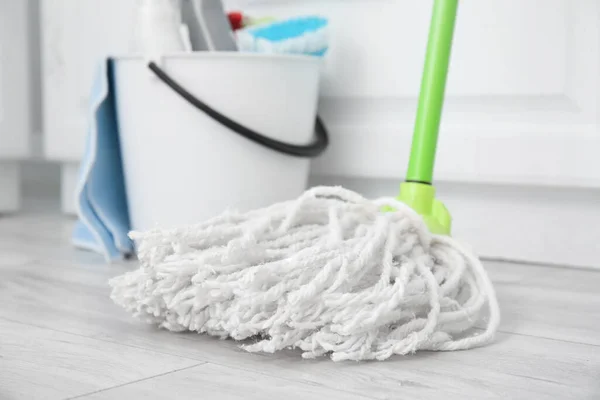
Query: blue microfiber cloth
{"points": [[101, 198]]}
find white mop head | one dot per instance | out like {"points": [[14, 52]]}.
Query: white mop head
{"points": [[328, 273]]}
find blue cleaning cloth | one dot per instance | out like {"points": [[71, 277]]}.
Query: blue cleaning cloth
{"points": [[103, 217]]}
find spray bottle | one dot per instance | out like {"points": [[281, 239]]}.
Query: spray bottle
{"points": [[158, 28]]}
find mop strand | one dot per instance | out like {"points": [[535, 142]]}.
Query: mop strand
{"points": [[328, 273]]}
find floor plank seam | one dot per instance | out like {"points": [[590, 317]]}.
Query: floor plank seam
{"points": [[149, 348], [539, 264], [200, 362], [505, 332], [537, 379], [80, 396], [501, 331], [303, 382]]}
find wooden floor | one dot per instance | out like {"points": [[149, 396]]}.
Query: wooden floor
{"points": [[61, 337]]}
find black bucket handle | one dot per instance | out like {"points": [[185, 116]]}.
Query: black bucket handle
{"points": [[313, 149]]}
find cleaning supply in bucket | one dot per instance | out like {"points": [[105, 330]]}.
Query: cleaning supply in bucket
{"points": [[157, 28], [209, 25], [330, 273], [239, 20], [298, 35], [196, 32]]}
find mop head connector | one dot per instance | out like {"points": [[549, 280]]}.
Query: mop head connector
{"points": [[328, 273]]}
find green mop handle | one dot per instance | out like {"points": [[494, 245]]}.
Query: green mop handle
{"points": [[433, 86]]}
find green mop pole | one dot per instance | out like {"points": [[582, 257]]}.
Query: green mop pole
{"points": [[417, 191], [433, 87]]}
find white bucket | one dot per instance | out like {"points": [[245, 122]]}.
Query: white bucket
{"points": [[183, 167]]}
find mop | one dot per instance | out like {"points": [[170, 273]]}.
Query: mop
{"points": [[331, 273]]}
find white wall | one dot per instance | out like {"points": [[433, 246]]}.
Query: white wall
{"points": [[16, 90]]}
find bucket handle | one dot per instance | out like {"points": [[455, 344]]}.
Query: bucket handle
{"points": [[313, 149]]}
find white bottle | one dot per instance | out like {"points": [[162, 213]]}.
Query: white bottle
{"points": [[209, 25], [157, 28]]}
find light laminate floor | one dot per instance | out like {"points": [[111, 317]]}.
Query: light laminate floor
{"points": [[61, 337]]}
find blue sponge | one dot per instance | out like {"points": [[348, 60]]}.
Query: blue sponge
{"points": [[301, 35]]}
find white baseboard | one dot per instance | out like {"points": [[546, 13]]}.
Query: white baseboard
{"points": [[531, 224], [10, 186], [69, 176]]}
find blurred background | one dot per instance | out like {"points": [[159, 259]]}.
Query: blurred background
{"points": [[517, 162]]}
